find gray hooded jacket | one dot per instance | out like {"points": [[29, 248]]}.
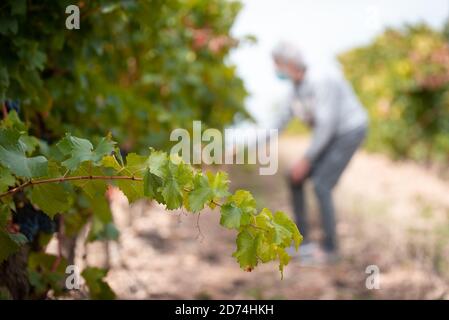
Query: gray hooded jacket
{"points": [[329, 107]]}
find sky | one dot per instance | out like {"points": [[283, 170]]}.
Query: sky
{"points": [[322, 29]]}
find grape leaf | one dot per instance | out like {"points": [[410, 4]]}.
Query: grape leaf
{"points": [[158, 162], [5, 215], [245, 201], [51, 198], [171, 189], [6, 179], [79, 150], [266, 250], [201, 193], [98, 288], [100, 208], [284, 259], [10, 243], [246, 253], [281, 219], [133, 190], [238, 209], [151, 186], [233, 217], [135, 165], [13, 157], [111, 162], [219, 183], [92, 188]]}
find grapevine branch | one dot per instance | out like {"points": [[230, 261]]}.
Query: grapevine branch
{"points": [[32, 182], [64, 178]]}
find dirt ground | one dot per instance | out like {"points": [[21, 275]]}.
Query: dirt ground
{"points": [[391, 214]]}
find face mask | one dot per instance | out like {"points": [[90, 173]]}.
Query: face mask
{"points": [[281, 75]]}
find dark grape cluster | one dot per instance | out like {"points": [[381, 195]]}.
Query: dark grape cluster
{"points": [[12, 105], [32, 221]]}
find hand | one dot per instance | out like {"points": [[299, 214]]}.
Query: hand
{"points": [[300, 170]]}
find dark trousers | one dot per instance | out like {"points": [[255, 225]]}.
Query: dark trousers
{"points": [[325, 173]]}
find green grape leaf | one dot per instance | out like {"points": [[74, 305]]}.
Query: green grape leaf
{"points": [[172, 194], [10, 244], [177, 177], [79, 150], [98, 288], [282, 236], [284, 259], [30, 144], [132, 189], [135, 165], [263, 219], [266, 250], [52, 198], [201, 194], [158, 161], [151, 186], [280, 228], [110, 161], [281, 219], [100, 208], [245, 201], [184, 175], [13, 156], [171, 189], [5, 215], [219, 184], [6, 179], [246, 253], [232, 217], [92, 188]]}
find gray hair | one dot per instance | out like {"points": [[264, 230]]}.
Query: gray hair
{"points": [[289, 53]]}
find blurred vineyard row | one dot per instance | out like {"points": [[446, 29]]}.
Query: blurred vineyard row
{"points": [[402, 77], [136, 69]]}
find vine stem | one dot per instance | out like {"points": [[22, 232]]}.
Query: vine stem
{"points": [[63, 179]]}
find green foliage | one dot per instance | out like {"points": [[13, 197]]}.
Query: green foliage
{"points": [[98, 288], [13, 156], [10, 243], [46, 272], [137, 69], [403, 79], [262, 237]]}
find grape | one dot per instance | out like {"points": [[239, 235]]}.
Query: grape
{"points": [[29, 228], [12, 105], [46, 225], [32, 221]]}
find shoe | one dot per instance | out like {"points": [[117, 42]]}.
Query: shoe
{"points": [[307, 253], [308, 249]]}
